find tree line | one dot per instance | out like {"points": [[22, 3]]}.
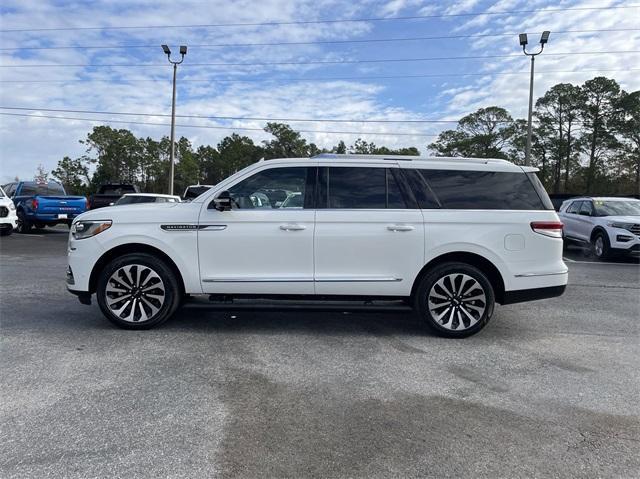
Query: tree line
{"points": [[586, 140]]}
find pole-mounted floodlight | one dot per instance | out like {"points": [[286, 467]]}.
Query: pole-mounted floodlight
{"points": [[183, 52], [523, 39], [523, 43], [545, 37]]}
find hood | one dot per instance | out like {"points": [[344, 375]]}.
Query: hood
{"points": [[142, 212], [622, 219]]}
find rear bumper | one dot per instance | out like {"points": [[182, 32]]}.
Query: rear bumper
{"points": [[522, 295], [51, 219]]}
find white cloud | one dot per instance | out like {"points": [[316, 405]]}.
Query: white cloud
{"points": [[27, 142]]}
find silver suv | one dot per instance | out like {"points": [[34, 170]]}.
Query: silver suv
{"points": [[608, 225]]}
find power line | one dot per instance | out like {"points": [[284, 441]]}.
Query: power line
{"points": [[313, 62], [316, 42], [212, 117], [314, 79], [328, 21], [232, 128]]}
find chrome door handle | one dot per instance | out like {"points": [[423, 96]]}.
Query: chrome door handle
{"points": [[400, 228], [292, 227]]}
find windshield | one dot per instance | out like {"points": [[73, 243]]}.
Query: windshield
{"points": [[617, 207], [2, 195], [129, 200], [42, 189]]}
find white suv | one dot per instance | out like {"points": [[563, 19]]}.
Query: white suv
{"points": [[8, 218], [451, 235], [609, 225]]}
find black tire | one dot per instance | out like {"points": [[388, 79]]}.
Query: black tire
{"points": [[600, 246], [135, 295], [471, 303], [23, 224], [6, 231]]}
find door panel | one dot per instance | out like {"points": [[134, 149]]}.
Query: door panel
{"points": [[569, 218], [584, 224], [370, 252], [369, 236], [256, 251], [264, 244]]}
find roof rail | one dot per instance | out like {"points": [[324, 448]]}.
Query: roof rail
{"points": [[409, 158]]}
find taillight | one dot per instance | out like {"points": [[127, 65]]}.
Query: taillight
{"points": [[548, 228], [34, 203]]}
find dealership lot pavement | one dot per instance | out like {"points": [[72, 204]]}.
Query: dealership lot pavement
{"points": [[549, 388]]}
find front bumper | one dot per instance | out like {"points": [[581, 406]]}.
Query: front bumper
{"points": [[82, 255], [624, 241], [9, 222]]}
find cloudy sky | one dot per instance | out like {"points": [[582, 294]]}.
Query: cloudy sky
{"points": [[431, 60]]}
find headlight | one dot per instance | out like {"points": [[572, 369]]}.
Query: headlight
{"points": [[624, 226], [87, 229]]}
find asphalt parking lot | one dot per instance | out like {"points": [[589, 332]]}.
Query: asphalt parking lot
{"points": [[549, 388]]}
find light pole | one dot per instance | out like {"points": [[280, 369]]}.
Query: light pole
{"points": [[523, 43], [183, 52]]}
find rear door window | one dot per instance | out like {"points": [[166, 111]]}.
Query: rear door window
{"points": [[484, 190], [361, 188]]}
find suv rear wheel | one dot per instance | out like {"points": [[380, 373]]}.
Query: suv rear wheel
{"points": [[455, 300], [137, 291]]}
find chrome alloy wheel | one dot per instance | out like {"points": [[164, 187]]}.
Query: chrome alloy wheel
{"points": [[134, 293], [457, 301], [599, 246]]}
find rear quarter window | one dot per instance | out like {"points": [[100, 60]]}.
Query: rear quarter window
{"points": [[486, 190]]}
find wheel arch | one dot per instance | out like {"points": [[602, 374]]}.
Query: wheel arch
{"points": [[474, 259], [596, 230], [128, 249]]}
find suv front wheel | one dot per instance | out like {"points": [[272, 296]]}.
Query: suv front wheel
{"points": [[137, 291], [600, 246], [455, 300]]}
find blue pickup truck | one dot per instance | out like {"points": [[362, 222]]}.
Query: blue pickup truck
{"points": [[43, 203]]}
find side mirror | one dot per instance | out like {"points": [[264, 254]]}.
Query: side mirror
{"points": [[222, 202]]}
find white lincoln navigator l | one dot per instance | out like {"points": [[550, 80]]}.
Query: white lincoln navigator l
{"points": [[453, 236]]}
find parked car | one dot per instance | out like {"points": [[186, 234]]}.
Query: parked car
{"points": [[193, 191], [43, 203], [109, 193], [137, 198], [8, 218], [450, 236], [607, 225]]}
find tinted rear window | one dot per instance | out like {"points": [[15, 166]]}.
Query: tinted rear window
{"points": [[42, 189], [484, 190], [360, 188]]}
